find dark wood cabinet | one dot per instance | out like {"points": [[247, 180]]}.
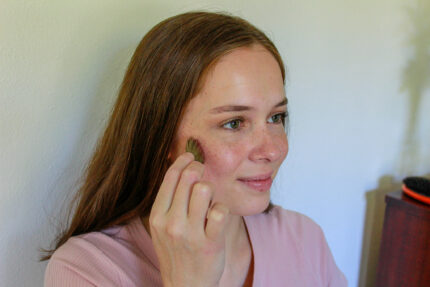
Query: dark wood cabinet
{"points": [[404, 258]]}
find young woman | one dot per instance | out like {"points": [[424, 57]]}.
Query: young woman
{"points": [[149, 214]]}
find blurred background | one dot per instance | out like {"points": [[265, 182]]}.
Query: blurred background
{"points": [[358, 88]]}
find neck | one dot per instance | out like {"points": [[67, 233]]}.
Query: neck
{"points": [[235, 233]]}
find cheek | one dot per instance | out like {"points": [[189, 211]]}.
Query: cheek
{"points": [[222, 160], [283, 147]]}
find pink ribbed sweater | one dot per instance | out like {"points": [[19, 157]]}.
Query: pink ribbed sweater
{"points": [[289, 250]]}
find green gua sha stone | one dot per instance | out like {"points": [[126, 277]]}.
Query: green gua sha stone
{"points": [[193, 146]]}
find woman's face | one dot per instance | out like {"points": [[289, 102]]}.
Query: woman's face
{"points": [[237, 118]]}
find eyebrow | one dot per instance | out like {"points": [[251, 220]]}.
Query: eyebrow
{"points": [[235, 108]]}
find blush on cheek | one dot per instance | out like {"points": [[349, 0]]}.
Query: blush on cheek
{"points": [[221, 161]]}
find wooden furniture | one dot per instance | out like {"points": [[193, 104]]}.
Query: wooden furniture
{"points": [[404, 258]]}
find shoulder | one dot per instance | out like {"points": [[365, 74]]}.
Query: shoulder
{"points": [[287, 230], [283, 221], [118, 256], [83, 258], [298, 230], [90, 246], [291, 216]]}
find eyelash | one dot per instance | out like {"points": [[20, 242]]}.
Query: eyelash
{"points": [[283, 116]]}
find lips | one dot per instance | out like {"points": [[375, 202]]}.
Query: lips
{"points": [[257, 177], [260, 183]]}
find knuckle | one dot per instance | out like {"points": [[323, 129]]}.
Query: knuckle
{"points": [[203, 188], [155, 222], [191, 173], [219, 212], [175, 230]]}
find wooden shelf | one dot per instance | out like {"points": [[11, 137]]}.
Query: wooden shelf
{"points": [[404, 258]]}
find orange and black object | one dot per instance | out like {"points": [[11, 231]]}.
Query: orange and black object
{"points": [[417, 188]]}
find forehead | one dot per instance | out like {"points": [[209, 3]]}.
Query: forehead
{"points": [[242, 76]]}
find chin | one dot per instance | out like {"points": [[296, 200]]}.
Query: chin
{"points": [[252, 207]]}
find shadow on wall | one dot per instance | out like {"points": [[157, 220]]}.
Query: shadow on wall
{"points": [[375, 210], [415, 80]]}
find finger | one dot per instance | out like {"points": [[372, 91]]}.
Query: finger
{"points": [[217, 221], [167, 189], [190, 175], [201, 196]]}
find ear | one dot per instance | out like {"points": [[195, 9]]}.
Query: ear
{"points": [[171, 150], [169, 158]]}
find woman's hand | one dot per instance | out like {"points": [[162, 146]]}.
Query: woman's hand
{"points": [[190, 252]]}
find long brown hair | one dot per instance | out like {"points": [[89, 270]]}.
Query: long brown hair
{"points": [[125, 172]]}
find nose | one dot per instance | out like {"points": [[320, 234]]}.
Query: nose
{"points": [[268, 146]]}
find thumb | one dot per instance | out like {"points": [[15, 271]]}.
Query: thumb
{"points": [[217, 221]]}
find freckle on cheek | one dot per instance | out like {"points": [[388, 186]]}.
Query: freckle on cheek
{"points": [[222, 159]]}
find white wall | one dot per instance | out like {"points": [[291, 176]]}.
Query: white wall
{"points": [[351, 133]]}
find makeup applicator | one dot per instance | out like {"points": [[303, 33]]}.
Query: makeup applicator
{"points": [[194, 147], [418, 188]]}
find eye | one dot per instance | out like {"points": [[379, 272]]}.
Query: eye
{"points": [[233, 124], [278, 118]]}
